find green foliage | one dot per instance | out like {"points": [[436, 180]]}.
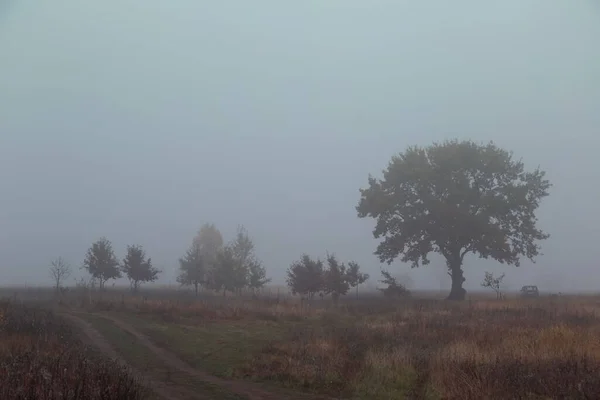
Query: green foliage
{"points": [[455, 198], [237, 267], [229, 273], [354, 276], [308, 277], [335, 278], [394, 288], [100, 261], [257, 275], [208, 242], [305, 277], [242, 246], [137, 268], [230, 268], [192, 268]]}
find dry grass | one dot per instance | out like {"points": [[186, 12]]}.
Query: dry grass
{"points": [[41, 359], [485, 350], [547, 348], [539, 349]]}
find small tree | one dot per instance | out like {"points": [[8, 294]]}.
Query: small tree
{"points": [[242, 250], [335, 279], [137, 268], [493, 283], [355, 277], [59, 271], [208, 242], [305, 277], [257, 276], [229, 274], [394, 288], [192, 268], [101, 262], [242, 246]]}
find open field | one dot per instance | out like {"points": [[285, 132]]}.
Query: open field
{"points": [[366, 348]]}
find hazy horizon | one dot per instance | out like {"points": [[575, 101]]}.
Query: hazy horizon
{"points": [[140, 121]]}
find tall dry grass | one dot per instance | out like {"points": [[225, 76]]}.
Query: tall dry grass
{"points": [[41, 359], [485, 350], [371, 348]]}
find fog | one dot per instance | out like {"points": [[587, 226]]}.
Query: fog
{"points": [[142, 120]]}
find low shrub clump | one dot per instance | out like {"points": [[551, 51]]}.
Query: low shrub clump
{"points": [[41, 359]]}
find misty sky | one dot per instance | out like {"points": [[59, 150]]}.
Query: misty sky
{"points": [[141, 120]]}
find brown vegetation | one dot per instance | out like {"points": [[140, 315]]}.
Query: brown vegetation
{"points": [[41, 359], [374, 348]]}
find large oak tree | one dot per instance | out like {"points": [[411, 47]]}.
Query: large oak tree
{"points": [[455, 198]]}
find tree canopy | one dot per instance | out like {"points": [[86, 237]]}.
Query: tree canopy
{"points": [[237, 266], [208, 242], [222, 268], [335, 278], [137, 267], [394, 288], [257, 275], [354, 276], [309, 276], [229, 273], [305, 277], [455, 198], [192, 268], [100, 261]]}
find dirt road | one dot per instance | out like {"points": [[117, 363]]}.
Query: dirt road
{"points": [[168, 391], [95, 339]]}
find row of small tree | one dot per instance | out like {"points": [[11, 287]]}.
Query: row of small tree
{"points": [[213, 265], [102, 264], [309, 276], [208, 263]]}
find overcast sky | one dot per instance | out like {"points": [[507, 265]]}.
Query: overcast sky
{"points": [[142, 120]]}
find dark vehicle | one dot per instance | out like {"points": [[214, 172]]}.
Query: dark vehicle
{"points": [[530, 291]]}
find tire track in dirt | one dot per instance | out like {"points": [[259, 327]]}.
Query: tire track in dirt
{"points": [[167, 392], [248, 389]]}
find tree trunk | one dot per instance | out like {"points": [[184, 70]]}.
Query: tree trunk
{"points": [[335, 296], [457, 292], [196, 287]]}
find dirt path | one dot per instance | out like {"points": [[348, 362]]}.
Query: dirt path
{"points": [[167, 392], [248, 389], [172, 392]]}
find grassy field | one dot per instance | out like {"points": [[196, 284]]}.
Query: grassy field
{"points": [[367, 348], [41, 358], [153, 368]]}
